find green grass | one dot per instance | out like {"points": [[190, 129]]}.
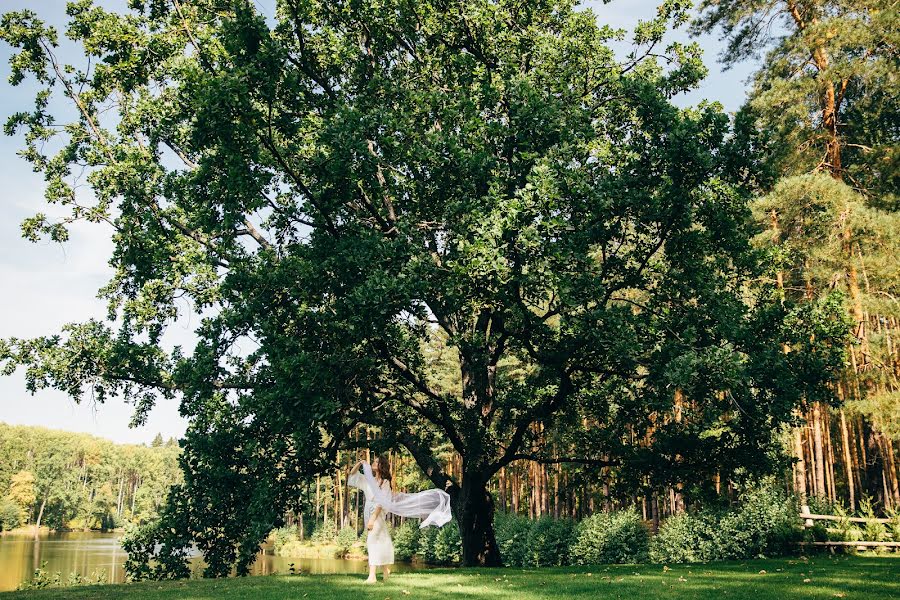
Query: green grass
{"points": [[869, 578]]}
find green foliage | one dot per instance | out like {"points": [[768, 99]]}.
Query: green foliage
{"points": [[873, 531], [324, 532], [42, 579], [155, 552], [426, 550], [345, 539], [844, 530], [281, 535], [605, 538], [512, 532], [817, 218], [817, 50], [447, 545], [533, 542], [439, 545], [10, 515], [685, 538], [764, 522], [819, 533], [406, 540], [893, 527], [549, 541]]}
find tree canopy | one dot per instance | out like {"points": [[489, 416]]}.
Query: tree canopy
{"points": [[825, 96]]}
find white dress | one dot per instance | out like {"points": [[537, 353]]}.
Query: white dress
{"points": [[378, 543]]}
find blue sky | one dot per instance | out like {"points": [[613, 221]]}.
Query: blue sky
{"points": [[47, 285]]}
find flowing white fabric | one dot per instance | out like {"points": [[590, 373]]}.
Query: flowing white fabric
{"points": [[432, 506]]}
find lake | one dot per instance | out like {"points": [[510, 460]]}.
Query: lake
{"points": [[91, 552]]}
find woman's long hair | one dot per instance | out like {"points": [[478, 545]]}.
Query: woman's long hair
{"points": [[382, 468]]}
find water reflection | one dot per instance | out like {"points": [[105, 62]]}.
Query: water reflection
{"points": [[87, 553]]}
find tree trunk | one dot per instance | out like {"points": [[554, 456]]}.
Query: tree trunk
{"points": [[37, 525], [848, 461], [819, 456], [474, 510], [800, 465]]}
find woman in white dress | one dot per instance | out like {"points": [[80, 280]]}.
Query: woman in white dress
{"points": [[378, 543]]}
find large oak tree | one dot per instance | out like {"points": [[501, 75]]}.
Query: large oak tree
{"points": [[340, 186]]}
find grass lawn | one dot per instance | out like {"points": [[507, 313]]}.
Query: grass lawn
{"points": [[869, 578]]}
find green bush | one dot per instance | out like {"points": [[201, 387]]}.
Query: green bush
{"points": [[447, 545], [603, 538], [685, 538], [819, 533], [10, 515], [894, 526], [324, 532], [42, 579], [425, 549], [548, 542], [346, 537], [282, 536], [406, 540], [439, 545], [873, 530], [765, 522], [512, 532], [822, 505]]}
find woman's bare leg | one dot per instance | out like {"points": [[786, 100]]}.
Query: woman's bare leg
{"points": [[385, 572], [371, 578]]}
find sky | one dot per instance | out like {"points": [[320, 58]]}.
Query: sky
{"points": [[47, 285]]}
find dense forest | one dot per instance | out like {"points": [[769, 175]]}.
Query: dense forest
{"points": [[61, 480]]}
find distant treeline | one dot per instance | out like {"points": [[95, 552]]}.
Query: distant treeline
{"points": [[64, 480]]}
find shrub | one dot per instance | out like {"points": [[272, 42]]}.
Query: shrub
{"points": [[10, 515], [843, 531], [447, 545], [610, 538], [894, 526], [512, 532], [819, 533], [282, 536], [439, 546], [324, 532], [406, 540], [42, 579], [548, 542], [822, 505], [425, 549], [685, 538], [873, 531], [765, 522], [346, 537]]}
